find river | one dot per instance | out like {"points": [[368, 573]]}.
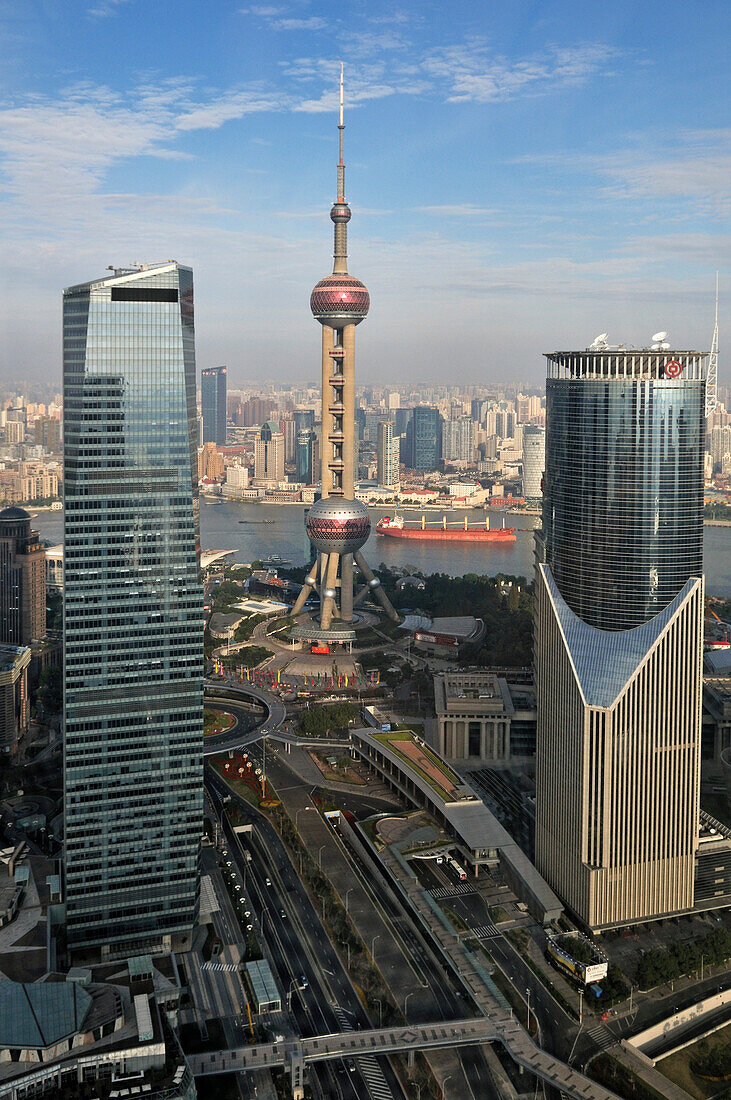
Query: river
{"points": [[222, 529]]}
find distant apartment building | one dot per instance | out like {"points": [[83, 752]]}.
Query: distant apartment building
{"points": [[22, 580], [387, 456], [534, 461], [305, 471], [47, 433], [269, 453], [213, 405], [458, 440]]}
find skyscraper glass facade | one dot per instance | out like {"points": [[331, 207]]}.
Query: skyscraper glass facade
{"points": [[213, 405], [424, 434], [133, 611], [623, 489]]}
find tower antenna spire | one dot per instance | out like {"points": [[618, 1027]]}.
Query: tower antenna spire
{"points": [[712, 375]]}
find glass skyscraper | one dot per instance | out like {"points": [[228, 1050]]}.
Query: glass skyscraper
{"points": [[133, 613], [618, 641], [623, 488], [424, 438], [213, 405]]}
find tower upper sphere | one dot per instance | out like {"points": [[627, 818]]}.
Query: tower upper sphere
{"points": [[340, 300]]}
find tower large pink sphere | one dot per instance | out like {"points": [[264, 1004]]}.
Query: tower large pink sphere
{"points": [[340, 300]]}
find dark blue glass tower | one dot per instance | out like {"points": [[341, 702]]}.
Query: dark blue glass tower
{"points": [[623, 485], [424, 438], [213, 405], [133, 613]]}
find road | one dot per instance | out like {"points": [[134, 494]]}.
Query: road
{"points": [[299, 945]]}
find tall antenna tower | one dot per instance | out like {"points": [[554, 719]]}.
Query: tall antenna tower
{"points": [[712, 376]]}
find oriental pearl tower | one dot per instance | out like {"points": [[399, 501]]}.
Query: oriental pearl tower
{"points": [[338, 525]]}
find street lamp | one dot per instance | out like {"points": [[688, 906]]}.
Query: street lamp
{"points": [[319, 855], [373, 947], [444, 1083], [379, 1002], [347, 892], [406, 1001], [527, 993]]}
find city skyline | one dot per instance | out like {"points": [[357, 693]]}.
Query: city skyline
{"points": [[551, 177]]}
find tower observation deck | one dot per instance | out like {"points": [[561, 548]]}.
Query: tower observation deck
{"points": [[338, 525]]}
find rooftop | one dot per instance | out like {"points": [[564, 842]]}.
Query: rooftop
{"points": [[430, 768], [41, 1014]]}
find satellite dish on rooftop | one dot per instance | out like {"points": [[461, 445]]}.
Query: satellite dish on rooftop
{"points": [[599, 340], [659, 337]]}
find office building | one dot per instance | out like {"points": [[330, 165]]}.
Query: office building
{"points": [[387, 456], [618, 633], [22, 580], [14, 702], [213, 405], [269, 453], [424, 438], [534, 458], [486, 717], [338, 525], [133, 614]]}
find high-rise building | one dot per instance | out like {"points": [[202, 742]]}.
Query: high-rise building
{"points": [[618, 633], [22, 580], [47, 432], [14, 702], [338, 525], [133, 614], [534, 460], [213, 405], [424, 438], [387, 456], [305, 448], [458, 439], [269, 453]]}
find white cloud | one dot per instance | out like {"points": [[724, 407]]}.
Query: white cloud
{"points": [[471, 72], [102, 9], [311, 23], [459, 210]]}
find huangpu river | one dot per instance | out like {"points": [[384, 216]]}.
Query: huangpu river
{"points": [[260, 530]]}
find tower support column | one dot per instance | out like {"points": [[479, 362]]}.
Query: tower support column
{"points": [[346, 587]]}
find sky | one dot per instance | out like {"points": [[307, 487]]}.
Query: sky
{"points": [[522, 175]]}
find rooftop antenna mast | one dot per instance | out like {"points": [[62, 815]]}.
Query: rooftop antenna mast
{"points": [[712, 376]]}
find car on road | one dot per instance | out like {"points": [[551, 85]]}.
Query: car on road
{"points": [[268, 881], [350, 1064], [282, 914], [303, 981]]}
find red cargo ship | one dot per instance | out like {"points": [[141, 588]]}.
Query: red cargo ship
{"points": [[395, 529]]}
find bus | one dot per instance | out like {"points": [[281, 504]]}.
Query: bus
{"points": [[458, 870]]}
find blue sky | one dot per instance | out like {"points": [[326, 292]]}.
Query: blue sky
{"points": [[522, 175]]}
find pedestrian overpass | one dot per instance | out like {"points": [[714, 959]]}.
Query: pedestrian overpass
{"points": [[294, 1054]]}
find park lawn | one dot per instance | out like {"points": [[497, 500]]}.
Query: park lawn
{"points": [[676, 1067]]}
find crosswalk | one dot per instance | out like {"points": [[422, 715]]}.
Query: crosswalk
{"points": [[369, 1068], [229, 968], [452, 891], [601, 1035], [485, 931]]}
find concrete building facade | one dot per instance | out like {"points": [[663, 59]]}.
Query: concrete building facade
{"points": [[387, 456], [269, 454], [534, 461]]}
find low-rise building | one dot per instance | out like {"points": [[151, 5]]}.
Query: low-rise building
{"points": [[450, 637]]}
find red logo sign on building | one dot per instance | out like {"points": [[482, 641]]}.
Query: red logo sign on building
{"points": [[673, 369]]}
